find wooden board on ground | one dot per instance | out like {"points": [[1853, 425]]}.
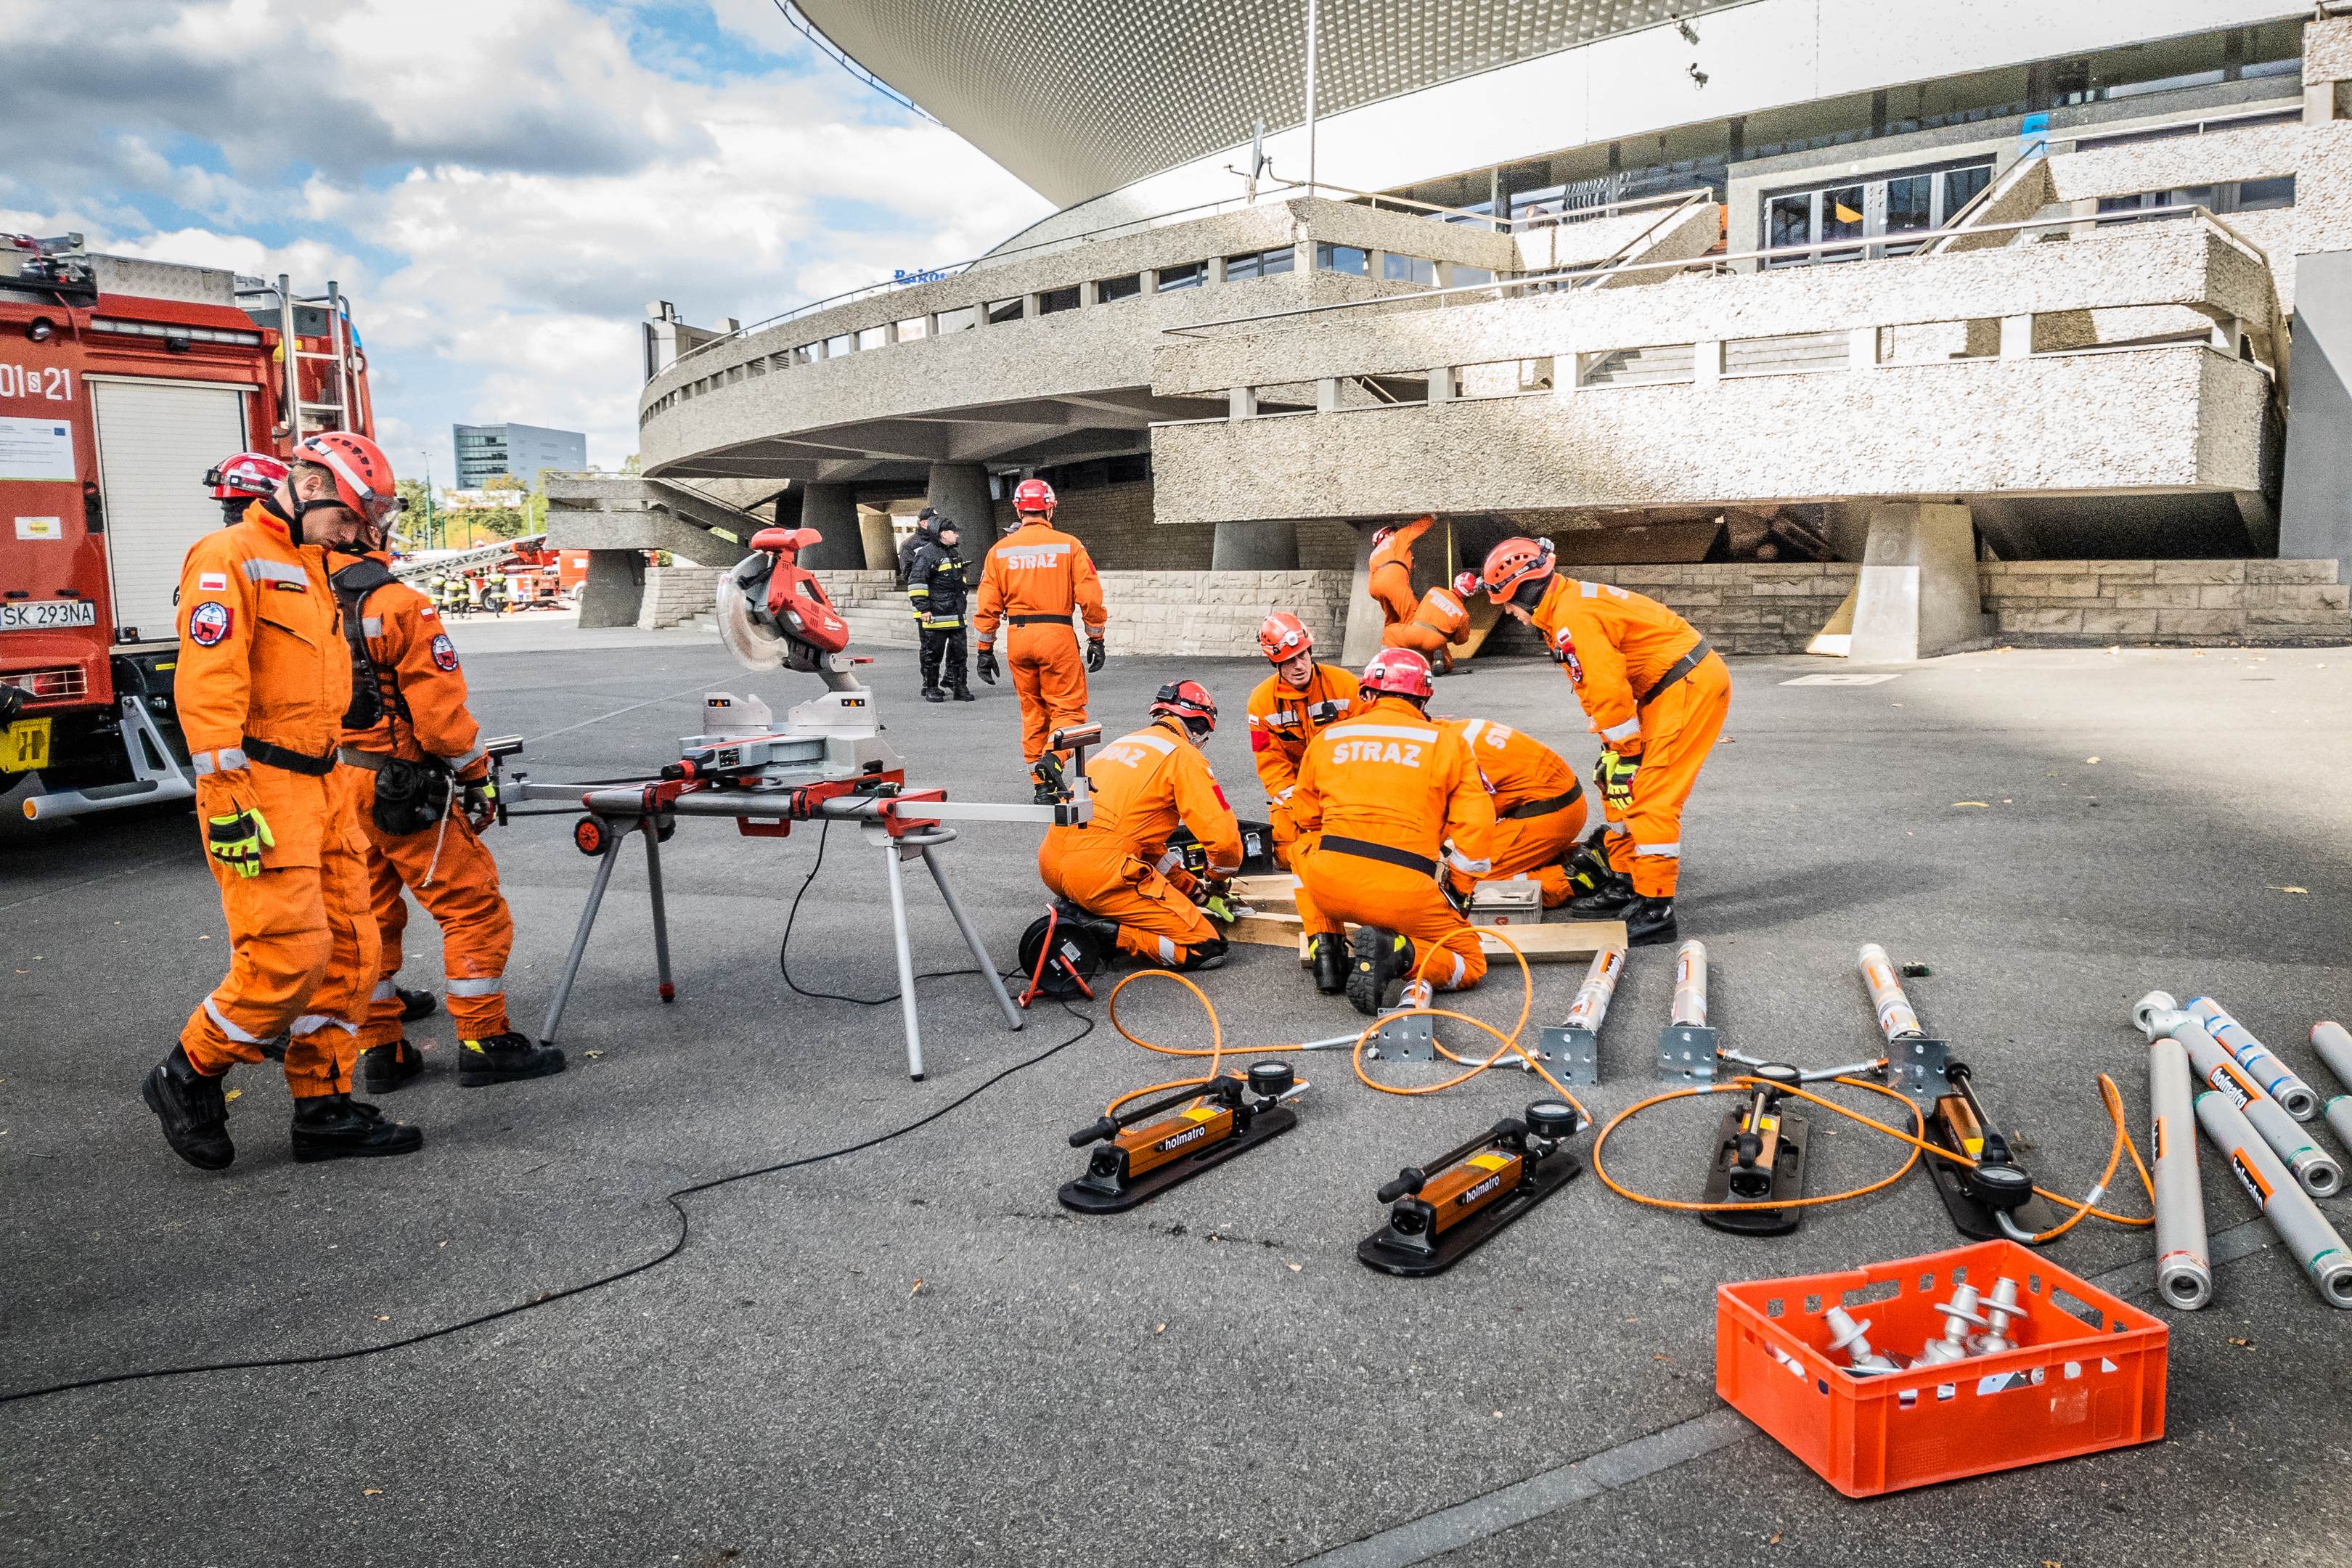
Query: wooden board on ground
{"points": [[1273, 922]]}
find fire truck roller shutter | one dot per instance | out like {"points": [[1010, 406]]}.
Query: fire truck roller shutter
{"points": [[155, 439]]}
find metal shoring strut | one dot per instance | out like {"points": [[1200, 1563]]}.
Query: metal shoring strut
{"points": [[2184, 1272], [2313, 1169], [2335, 1047]]}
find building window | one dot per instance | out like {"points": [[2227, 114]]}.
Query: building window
{"points": [[836, 347], [958, 319], [1053, 300], [1330, 257], [1467, 276], [2232, 196], [1418, 269], [1111, 288], [808, 354], [2260, 195], [1886, 209], [914, 328], [1191, 275], [1003, 310], [1260, 264], [872, 337]]}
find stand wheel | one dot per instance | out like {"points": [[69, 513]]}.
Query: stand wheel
{"points": [[588, 833], [1553, 1119], [1271, 1079]]}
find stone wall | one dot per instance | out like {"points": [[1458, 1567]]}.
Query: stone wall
{"points": [[1115, 522], [1213, 615], [676, 594], [2097, 603], [1743, 606]]}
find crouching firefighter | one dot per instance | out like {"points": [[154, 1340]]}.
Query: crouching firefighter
{"points": [[261, 688], [1539, 812], [1379, 797], [423, 789], [1288, 710], [1656, 694], [1117, 874]]}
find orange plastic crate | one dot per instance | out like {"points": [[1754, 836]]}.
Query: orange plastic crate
{"points": [[2086, 1376]]}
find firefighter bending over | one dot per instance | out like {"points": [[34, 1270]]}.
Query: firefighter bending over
{"points": [[1436, 625], [1379, 797], [1118, 868], [1034, 580], [1656, 694], [1539, 811], [1288, 710], [1388, 579], [262, 684], [409, 745]]}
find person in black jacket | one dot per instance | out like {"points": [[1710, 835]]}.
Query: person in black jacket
{"points": [[936, 585]]}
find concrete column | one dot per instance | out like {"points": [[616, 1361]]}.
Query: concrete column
{"points": [[1918, 594], [1706, 363], [1240, 403], [614, 590], [2315, 501], [1326, 394], [875, 534], [832, 511], [1255, 547], [2016, 337], [1365, 622], [959, 491]]}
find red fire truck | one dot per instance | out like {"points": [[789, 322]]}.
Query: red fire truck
{"points": [[121, 382]]}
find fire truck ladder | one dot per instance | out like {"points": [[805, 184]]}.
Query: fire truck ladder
{"points": [[337, 415]]}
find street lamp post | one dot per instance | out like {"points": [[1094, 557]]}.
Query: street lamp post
{"points": [[431, 521]]}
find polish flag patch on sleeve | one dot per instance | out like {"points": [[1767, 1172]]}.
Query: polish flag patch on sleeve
{"points": [[212, 582], [444, 652], [208, 623]]}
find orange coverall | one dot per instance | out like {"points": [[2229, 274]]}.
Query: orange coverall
{"points": [[1439, 622], [1539, 807], [1283, 720], [1119, 866], [1032, 579], [1395, 780], [1617, 648], [447, 867], [262, 660], [1390, 579]]}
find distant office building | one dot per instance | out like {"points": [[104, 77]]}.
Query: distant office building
{"points": [[485, 451]]}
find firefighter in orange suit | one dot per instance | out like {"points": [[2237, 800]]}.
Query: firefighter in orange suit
{"points": [[1118, 868], [1384, 800], [1390, 579], [1438, 623], [262, 685], [1538, 809], [1288, 710], [409, 744], [1034, 580], [1655, 692]]}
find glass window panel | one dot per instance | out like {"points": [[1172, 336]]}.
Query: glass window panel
{"points": [[1348, 258], [959, 320], [914, 328], [1188, 276], [1907, 203], [1054, 299], [1240, 268], [1962, 186], [1123, 287], [1466, 276], [1270, 262], [1003, 310], [1790, 221], [836, 347], [2257, 196], [1408, 269], [872, 337], [1842, 212]]}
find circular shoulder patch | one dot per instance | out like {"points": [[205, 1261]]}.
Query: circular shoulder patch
{"points": [[444, 652], [209, 622]]}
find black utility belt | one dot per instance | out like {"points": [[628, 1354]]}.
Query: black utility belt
{"points": [[1676, 671], [1037, 620], [1528, 808], [288, 759], [1365, 850]]}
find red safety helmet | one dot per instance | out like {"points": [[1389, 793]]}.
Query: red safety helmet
{"points": [[1397, 672], [247, 474], [1514, 561], [1284, 635], [1188, 700], [1441, 610], [362, 473], [1033, 495]]}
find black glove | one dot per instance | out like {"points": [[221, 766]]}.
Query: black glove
{"points": [[986, 665], [1094, 654], [481, 803]]}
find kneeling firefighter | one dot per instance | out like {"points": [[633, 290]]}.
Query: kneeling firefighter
{"points": [[1656, 694], [1436, 625], [1288, 710], [1379, 797], [409, 745], [1539, 811], [1119, 868]]}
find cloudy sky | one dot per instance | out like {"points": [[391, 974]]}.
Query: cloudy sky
{"points": [[499, 184]]}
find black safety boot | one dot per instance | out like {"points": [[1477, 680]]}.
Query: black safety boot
{"points": [[414, 1004], [336, 1127], [389, 1067], [1328, 951], [1587, 867], [933, 694], [503, 1059], [1053, 787], [1380, 957], [192, 1110], [1610, 902], [1650, 921], [961, 692]]}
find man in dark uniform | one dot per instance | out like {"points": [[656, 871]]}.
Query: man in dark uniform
{"points": [[936, 584]]}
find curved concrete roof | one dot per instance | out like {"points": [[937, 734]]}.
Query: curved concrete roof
{"points": [[1079, 96]]}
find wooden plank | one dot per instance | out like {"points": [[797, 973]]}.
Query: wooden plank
{"points": [[1275, 923]]}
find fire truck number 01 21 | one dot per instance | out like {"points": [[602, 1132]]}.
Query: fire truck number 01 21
{"points": [[54, 383]]}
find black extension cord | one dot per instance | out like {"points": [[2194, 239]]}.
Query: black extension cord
{"points": [[784, 948], [685, 1222]]}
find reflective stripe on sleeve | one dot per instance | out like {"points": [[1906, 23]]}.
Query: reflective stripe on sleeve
{"points": [[1667, 851], [384, 991], [493, 985], [372, 626], [1461, 862], [227, 759], [1167, 951], [1169, 862], [1159, 744], [1455, 978], [220, 1019], [1625, 732], [274, 572], [466, 761], [1284, 798]]}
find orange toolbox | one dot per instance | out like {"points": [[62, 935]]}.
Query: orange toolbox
{"points": [[2086, 1375]]}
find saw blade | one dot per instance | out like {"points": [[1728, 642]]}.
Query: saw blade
{"points": [[755, 643]]}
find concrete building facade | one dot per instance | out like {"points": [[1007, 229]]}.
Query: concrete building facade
{"points": [[1939, 309]]}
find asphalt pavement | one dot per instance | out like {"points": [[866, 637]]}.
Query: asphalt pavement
{"points": [[913, 1354]]}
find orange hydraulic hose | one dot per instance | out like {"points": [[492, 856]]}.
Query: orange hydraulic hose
{"points": [[1741, 1084]]}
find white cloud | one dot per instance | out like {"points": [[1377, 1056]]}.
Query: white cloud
{"points": [[500, 209]]}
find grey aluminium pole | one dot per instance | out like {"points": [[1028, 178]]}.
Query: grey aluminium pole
{"points": [[2294, 1096], [2315, 1170], [2184, 1274], [905, 961], [1312, 7], [2335, 1047], [2300, 1225]]}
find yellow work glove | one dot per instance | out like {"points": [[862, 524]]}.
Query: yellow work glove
{"points": [[237, 840]]}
